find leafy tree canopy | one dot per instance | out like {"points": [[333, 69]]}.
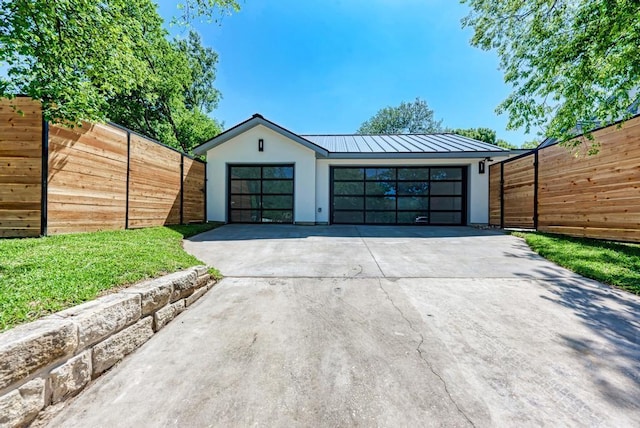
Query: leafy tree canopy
{"points": [[570, 62], [211, 10], [407, 118], [486, 135], [530, 144], [173, 103], [109, 60], [418, 118]]}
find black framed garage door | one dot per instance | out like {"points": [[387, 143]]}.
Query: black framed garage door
{"points": [[398, 195], [260, 193]]}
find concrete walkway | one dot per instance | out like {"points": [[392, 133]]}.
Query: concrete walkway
{"points": [[380, 326]]}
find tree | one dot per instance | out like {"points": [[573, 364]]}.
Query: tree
{"points": [[407, 118], [209, 9], [530, 144], [109, 60], [202, 61], [173, 103], [570, 62], [483, 134], [73, 55]]}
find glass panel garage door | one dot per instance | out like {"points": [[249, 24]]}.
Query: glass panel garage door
{"points": [[260, 194], [398, 195]]}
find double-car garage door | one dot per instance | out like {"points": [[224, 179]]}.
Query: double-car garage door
{"points": [[398, 195]]}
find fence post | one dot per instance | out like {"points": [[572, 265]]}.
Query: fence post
{"points": [[204, 189], [181, 188], [126, 214], [44, 183], [535, 190], [502, 195]]}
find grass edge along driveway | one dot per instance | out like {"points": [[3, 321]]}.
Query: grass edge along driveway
{"points": [[613, 263], [39, 276]]}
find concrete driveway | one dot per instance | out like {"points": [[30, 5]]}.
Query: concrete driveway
{"points": [[380, 326]]}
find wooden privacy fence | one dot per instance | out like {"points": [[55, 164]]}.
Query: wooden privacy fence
{"points": [[55, 179], [554, 189]]}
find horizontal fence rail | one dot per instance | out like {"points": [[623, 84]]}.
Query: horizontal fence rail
{"points": [[56, 179]]}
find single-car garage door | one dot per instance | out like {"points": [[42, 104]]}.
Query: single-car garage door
{"points": [[260, 194], [398, 195]]}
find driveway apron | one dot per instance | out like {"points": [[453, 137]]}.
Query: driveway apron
{"points": [[379, 326]]}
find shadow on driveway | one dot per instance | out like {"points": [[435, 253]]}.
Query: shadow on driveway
{"points": [[242, 232]]}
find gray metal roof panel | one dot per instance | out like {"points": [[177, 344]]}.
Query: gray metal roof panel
{"points": [[400, 143]]}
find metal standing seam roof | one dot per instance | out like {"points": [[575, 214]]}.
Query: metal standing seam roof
{"points": [[400, 143]]}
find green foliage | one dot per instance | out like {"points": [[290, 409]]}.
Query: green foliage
{"points": [[486, 135], [570, 62], [407, 118], [530, 144], [75, 54], [200, 93], [505, 144], [208, 9], [481, 134], [171, 105], [111, 60], [43, 275], [609, 262]]}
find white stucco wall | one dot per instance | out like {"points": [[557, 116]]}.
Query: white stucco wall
{"points": [[278, 149], [477, 190]]}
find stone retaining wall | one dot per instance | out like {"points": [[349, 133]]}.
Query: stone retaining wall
{"points": [[50, 360]]}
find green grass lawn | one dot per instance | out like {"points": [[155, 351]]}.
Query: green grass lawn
{"points": [[39, 276], [613, 263]]}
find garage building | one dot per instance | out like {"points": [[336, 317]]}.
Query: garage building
{"points": [[260, 172]]}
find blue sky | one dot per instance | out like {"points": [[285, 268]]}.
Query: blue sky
{"points": [[326, 66]]}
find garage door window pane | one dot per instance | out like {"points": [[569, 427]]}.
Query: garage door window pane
{"points": [[277, 202], [416, 217], [445, 203], [245, 172], [348, 203], [277, 172], [242, 216], [414, 174], [356, 217], [446, 173], [411, 188], [348, 174], [245, 186], [245, 201], [446, 218], [380, 217], [274, 216], [381, 188], [413, 203], [277, 186], [346, 188], [446, 188], [381, 173], [381, 203]]}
